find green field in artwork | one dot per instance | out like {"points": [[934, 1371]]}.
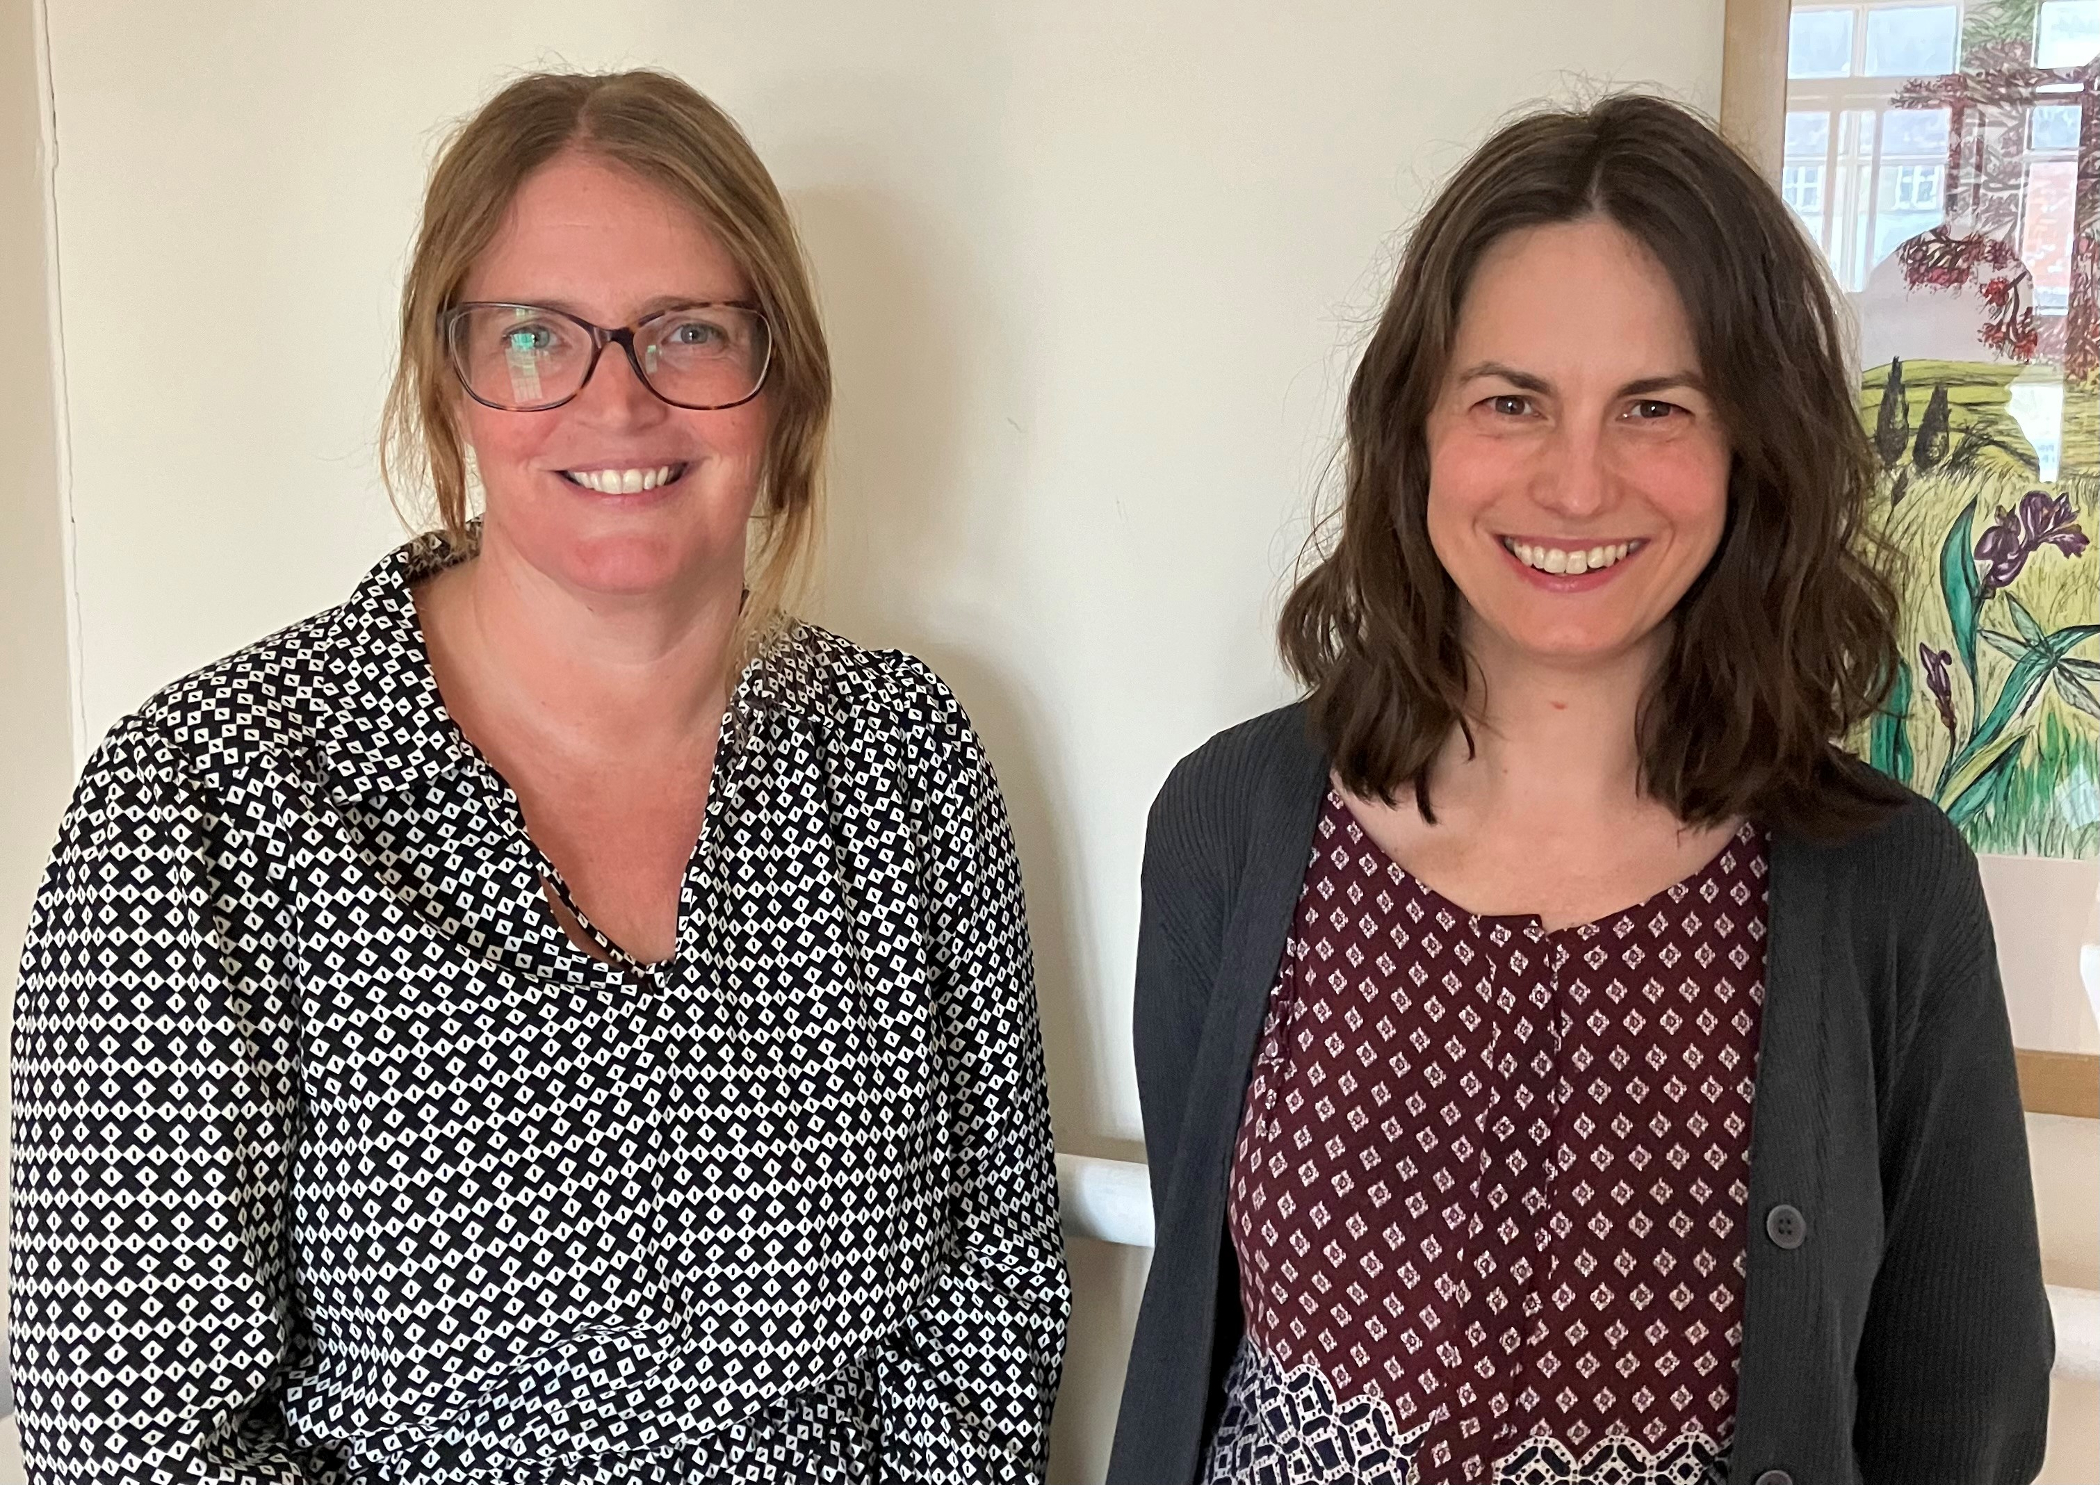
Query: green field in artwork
{"points": [[1995, 712]]}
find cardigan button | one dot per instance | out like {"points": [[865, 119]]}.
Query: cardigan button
{"points": [[1775, 1477], [1785, 1226]]}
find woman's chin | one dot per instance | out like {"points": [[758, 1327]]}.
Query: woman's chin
{"points": [[629, 563], [1574, 647]]}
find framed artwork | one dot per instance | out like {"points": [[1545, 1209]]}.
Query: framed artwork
{"points": [[1946, 158]]}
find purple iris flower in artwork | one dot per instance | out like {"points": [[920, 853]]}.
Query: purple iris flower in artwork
{"points": [[2040, 520], [1939, 683]]}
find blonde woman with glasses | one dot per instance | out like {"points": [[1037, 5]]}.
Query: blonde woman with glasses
{"points": [[553, 1017]]}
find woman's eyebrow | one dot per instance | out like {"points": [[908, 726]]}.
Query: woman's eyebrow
{"points": [[1508, 374], [684, 301], [1529, 382], [656, 304], [1676, 380]]}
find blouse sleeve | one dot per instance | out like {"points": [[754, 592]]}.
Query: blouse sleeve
{"points": [[964, 1390], [154, 1103]]}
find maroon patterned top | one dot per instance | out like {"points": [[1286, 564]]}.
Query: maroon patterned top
{"points": [[1490, 1187]]}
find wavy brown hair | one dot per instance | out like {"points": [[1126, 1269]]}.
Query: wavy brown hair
{"points": [[1782, 644], [665, 132]]}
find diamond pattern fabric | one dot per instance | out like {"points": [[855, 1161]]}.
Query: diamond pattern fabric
{"points": [[335, 1159], [1489, 1192]]}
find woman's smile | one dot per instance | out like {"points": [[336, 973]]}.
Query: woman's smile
{"points": [[1568, 567], [629, 479]]}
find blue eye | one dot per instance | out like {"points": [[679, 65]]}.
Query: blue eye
{"points": [[695, 333], [526, 340]]}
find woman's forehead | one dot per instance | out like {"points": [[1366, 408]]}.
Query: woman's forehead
{"points": [[1585, 290], [583, 230]]}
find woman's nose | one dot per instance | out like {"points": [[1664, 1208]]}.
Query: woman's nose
{"points": [[1574, 481], [615, 394]]}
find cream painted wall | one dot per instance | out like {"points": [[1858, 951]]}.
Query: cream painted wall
{"points": [[2043, 911], [1094, 274]]}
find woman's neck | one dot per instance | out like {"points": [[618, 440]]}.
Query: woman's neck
{"points": [[1550, 739], [581, 673]]}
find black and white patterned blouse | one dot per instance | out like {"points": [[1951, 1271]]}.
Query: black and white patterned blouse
{"points": [[335, 1159]]}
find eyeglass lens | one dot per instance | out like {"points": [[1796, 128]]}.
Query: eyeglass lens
{"points": [[521, 357]]}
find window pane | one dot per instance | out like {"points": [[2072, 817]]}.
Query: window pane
{"points": [[1819, 44], [2067, 33], [2045, 236], [1910, 188], [1802, 186], [1916, 41], [2038, 407], [1910, 203], [1915, 131], [1809, 134], [2054, 127]]}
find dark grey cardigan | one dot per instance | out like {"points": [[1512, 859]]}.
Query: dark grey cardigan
{"points": [[1906, 1340]]}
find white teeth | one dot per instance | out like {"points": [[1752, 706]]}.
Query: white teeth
{"points": [[624, 481], [1560, 560]]}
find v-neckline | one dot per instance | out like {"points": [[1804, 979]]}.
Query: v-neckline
{"points": [[613, 958]]}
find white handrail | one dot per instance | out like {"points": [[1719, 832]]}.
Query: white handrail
{"points": [[1107, 1200], [1111, 1201], [2077, 1316]]}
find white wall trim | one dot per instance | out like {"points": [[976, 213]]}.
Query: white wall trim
{"points": [[61, 417]]}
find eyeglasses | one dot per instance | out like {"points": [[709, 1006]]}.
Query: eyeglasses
{"points": [[529, 358]]}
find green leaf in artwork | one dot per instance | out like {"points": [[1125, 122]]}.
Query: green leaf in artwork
{"points": [[2024, 621], [2019, 692], [1958, 586], [1888, 738], [2005, 644], [1984, 789], [2076, 692]]}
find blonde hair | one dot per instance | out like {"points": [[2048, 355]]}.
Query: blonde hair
{"points": [[665, 132]]}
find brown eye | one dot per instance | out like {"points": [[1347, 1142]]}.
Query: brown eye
{"points": [[1649, 410], [1510, 405]]}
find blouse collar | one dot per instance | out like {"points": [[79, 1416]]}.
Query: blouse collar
{"points": [[384, 726]]}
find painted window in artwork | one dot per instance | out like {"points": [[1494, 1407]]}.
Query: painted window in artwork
{"points": [[1946, 160]]}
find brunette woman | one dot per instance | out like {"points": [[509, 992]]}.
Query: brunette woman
{"points": [[1559, 1060]]}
